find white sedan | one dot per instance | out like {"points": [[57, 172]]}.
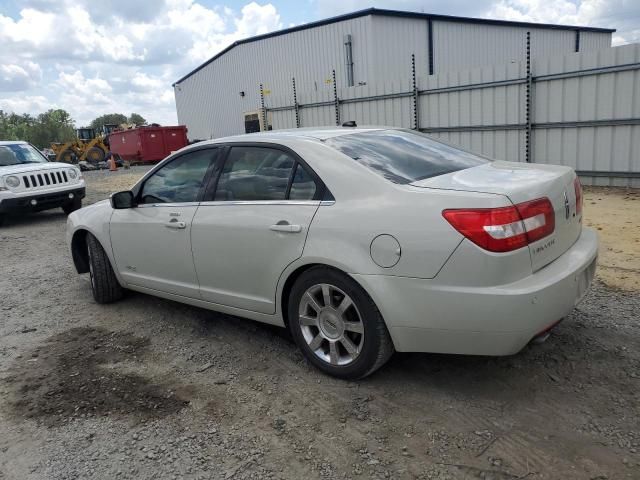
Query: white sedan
{"points": [[361, 240]]}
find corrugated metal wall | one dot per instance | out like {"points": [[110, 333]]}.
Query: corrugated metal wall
{"points": [[461, 46], [592, 41], [460, 116], [584, 111], [590, 122], [581, 109], [394, 40], [209, 101]]}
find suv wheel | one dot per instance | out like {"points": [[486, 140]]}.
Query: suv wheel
{"points": [[104, 283], [72, 206], [336, 324]]}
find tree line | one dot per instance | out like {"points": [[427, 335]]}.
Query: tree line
{"points": [[54, 126]]}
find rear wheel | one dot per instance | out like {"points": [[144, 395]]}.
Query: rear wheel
{"points": [[104, 283], [72, 206], [336, 324], [95, 155]]}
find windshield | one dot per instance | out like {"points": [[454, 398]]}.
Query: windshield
{"points": [[404, 156], [18, 154]]}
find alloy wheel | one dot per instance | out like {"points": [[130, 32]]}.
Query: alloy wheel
{"points": [[331, 324]]}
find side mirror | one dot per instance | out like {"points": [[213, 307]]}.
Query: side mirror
{"points": [[122, 200]]}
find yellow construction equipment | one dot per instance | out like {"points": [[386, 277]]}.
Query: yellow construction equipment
{"points": [[86, 147]]}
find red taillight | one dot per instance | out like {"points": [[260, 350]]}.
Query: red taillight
{"points": [[506, 228], [578, 188]]}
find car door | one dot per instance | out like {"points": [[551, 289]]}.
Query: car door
{"points": [[151, 241], [253, 225]]}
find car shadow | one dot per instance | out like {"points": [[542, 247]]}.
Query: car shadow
{"points": [[34, 218], [568, 359]]}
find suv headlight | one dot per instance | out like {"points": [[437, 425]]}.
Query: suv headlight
{"points": [[12, 181], [73, 173]]}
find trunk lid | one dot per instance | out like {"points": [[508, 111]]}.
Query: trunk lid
{"points": [[521, 182]]}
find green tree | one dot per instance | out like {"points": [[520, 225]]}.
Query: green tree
{"points": [[109, 118], [137, 119], [50, 126]]}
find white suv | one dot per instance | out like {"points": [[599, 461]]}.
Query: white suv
{"points": [[30, 183]]}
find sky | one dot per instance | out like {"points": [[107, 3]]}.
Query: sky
{"points": [[93, 57]]}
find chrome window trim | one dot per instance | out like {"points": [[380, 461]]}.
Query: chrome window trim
{"points": [[216, 203], [172, 205], [324, 203]]}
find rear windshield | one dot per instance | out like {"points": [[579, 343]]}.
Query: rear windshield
{"points": [[18, 153], [404, 156]]}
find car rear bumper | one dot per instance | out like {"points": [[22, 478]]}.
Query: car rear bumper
{"points": [[43, 201], [424, 316]]}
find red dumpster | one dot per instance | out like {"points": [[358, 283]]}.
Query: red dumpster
{"points": [[147, 144]]}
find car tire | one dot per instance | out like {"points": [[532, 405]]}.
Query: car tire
{"points": [[75, 204], [2, 217], [346, 336], [104, 284], [67, 156], [95, 155]]}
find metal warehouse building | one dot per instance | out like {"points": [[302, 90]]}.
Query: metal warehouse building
{"points": [[363, 47], [512, 90]]}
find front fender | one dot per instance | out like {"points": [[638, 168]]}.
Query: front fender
{"points": [[94, 219]]}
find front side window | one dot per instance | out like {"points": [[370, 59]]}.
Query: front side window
{"points": [[403, 156], [180, 180], [255, 173], [19, 153]]}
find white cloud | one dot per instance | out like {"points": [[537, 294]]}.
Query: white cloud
{"points": [[114, 55], [620, 14], [257, 20], [465, 8], [90, 88], [30, 104], [21, 76]]}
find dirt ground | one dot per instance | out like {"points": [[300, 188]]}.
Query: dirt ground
{"points": [[151, 389], [615, 213]]}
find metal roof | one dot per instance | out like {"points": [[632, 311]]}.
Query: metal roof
{"points": [[393, 13]]}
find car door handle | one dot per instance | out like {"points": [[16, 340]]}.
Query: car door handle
{"points": [[286, 228], [174, 223]]}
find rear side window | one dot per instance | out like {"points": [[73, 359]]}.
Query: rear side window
{"points": [[404, 156], [255, 173], [303, 187]]}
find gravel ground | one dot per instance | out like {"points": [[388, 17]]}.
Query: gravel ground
{"points": [[148, 388]]}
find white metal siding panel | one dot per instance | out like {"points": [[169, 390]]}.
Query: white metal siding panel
{"points": [[460, 45], [394, 40], [502, 105], [395, 112], [591, 41], [209, 103], [595, 97]]}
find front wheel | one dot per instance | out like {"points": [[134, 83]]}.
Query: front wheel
{"points": [[75, 204], [104, 284], [336, 324]]}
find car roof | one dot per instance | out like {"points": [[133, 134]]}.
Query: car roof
{"points": [[13, 142], [316, 133]]}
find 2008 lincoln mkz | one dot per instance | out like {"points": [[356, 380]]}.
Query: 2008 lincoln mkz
{"points": [[362, 241]]}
